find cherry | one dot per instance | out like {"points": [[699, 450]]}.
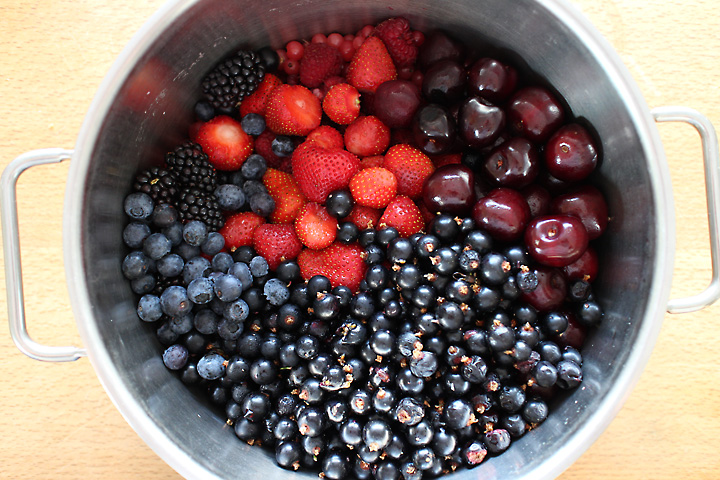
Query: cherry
{"points": [[438, 46], [512, 164], [450, 189], [503, 213], [570, 153], [584, 268], [444, 82], [433, 129], [538, 199], [396, 102], [479, 122], [574, 334], [588, 204], [556, 240], [550, 291], [534, 113], [491, 79]]}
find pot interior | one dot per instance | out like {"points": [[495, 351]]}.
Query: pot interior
{"points": [[144, 110]]}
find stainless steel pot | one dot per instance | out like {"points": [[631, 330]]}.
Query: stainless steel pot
{"points": [[145, 103]]}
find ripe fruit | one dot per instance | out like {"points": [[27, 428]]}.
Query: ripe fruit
{"points": [[570, 154], [257, 101], [276, 243], [319, 171], [342, 103], [319, 62], [373, 161], [364, 217], [373, 187], [586, 203], [433, 129], [404, 215], [556, 240], [503, 213], [395, 102], [534, 113], [514, 163], [450, 189], [315, 227], [293, 110], [225, 142], [342, 265], [263, 147], [398, 38], [491, 79], [411, 167], [367, 136], [287, 195], [370, 66], [480, 122], [239, 228], [326, 136], [444, 82], [438, 46]]}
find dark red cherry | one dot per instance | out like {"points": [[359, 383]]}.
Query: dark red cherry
{"points": [[480, 122], [491, 79], [584, 268], [438, 46], [556, 240], [433, 129], [550, 291], [396, 102], [534, 113], [513, 164], [503, 213], [588, 204], [570, 153], [444, 82], [574, 334], [450, 189], [538, 199]]}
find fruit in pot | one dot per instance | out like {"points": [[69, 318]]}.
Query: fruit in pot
{"points": [[450, 189]]}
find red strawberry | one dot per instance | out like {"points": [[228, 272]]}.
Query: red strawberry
{"points": [[367, 136], [276, 243], [287, 195], [315, 227], [373, 187], [342, 103], [292, 110], [411, 167], [239, 228], [373, 161], [403, 214], [318, 171], [364, 217], [319, 62], [263, 146], [370, 66], [326, 136], [398, 38], [225, 142], [257, 101], [310, 263], [341, 264]]}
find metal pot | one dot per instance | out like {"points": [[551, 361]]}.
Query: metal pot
{"points": [[145, 103]]}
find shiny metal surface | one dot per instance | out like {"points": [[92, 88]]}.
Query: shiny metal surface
{"points": [[146, 102]]}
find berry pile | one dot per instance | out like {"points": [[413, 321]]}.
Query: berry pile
{"points": [[375, 252]]}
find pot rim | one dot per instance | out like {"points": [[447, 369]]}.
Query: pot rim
{"points": [[179, 459]]}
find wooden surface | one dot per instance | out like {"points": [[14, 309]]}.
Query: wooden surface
{"points": [[58, 423]]}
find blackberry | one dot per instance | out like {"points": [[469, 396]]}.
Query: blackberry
{"points": [[196, 204], [191, 167], [233, 79], [159, 183]]}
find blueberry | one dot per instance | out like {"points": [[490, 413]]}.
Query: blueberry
{"points": [[135, 265], [196, 267], [230, 329], [213, 244], [282, 146], [171, 265], [254, 167], [164, 215], [242, 272], [237, 310], [228, 287], [259, 266], [175, 357], [139, 206], [276, 292], [174, 301], [182, 323], [135, 233], [149, 309], [262, 204], [222, 262], [156, 246], [204, 111], [253, 124], [200, 290], [211, 366], [195, 232], [187, 251], [206, 321], [230, 197], [143, 285], [252, 187]]}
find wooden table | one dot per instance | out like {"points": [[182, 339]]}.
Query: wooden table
{"points": [[57, 421]]}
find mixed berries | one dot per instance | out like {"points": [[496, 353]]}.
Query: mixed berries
{"points": [[374, 252]]}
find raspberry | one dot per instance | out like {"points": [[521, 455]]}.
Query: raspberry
{"points": [[319, 62], [398, 38]]}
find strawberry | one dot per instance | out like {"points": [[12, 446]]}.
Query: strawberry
{"points": [[403, 214], [342, 103], [319, 171], [326, 136], [239, 228], [319, 62], [263, 146], [363, 217], [411, 167], [373, 161], [398, 38], [373, 187], [225, 142], [256, 102], [315, 227], [287, 195], [341, 264], [367, 136], [276, 243], [370, 66], [292, 110]]}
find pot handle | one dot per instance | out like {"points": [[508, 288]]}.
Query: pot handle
{"points": [[711, 158], [13, 269]]}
